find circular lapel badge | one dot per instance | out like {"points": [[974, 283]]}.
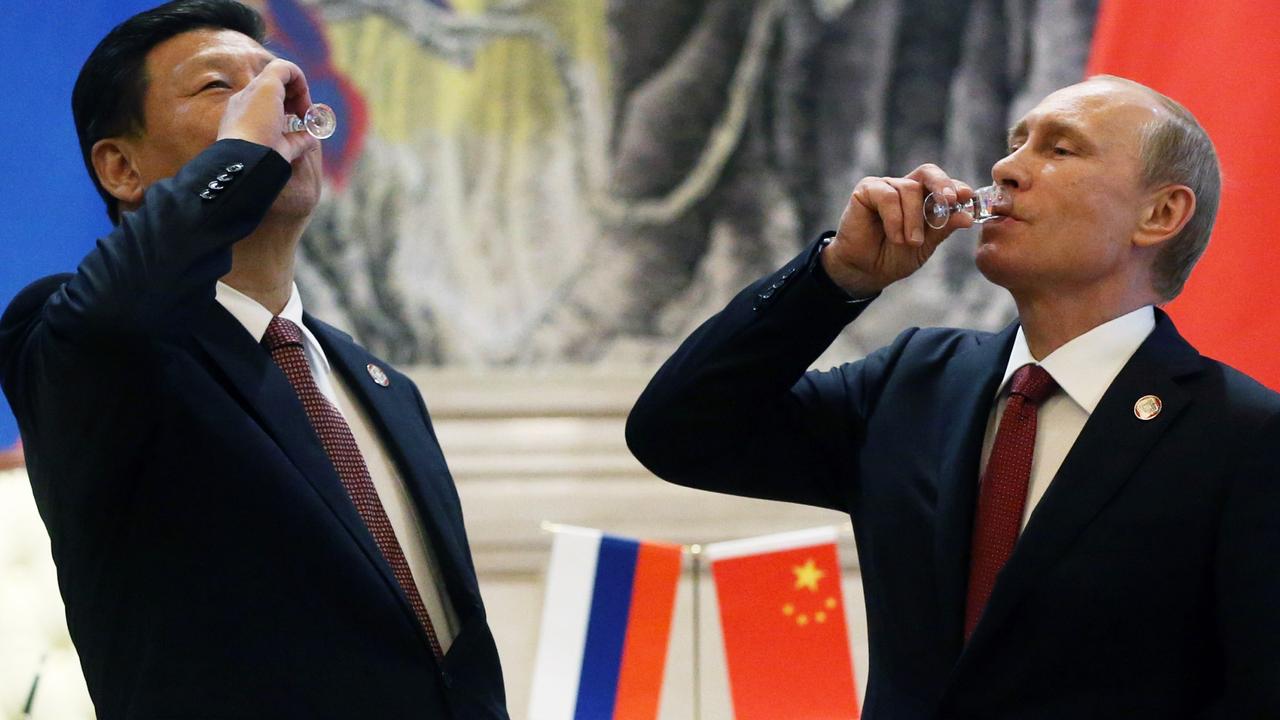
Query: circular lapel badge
{"points": [[1147, 407], [380, 377]]}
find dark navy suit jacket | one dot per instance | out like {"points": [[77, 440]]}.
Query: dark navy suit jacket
{"points": [[211, 562], [1142, 586]]}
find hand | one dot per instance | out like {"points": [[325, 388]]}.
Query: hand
{"points": [[883, 237], [257, 112]]}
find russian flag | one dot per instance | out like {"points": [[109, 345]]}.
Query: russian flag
{"points": [[606, 626]]}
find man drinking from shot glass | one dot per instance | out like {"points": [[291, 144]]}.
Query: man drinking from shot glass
{"points": [[250, 513], [1074, 517]]}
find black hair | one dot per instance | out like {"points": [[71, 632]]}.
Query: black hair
{"points": [[108, 97]]}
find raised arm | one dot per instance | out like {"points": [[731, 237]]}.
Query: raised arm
{"points": [[734, 409], [161, 262]]}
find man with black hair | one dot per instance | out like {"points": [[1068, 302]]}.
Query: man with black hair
{"points": [[250, 514]]}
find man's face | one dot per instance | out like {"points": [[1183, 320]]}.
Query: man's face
{"points": [[1074, 174], [190, 77]]}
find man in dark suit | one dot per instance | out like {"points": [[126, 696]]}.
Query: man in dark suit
{"points": [[1072, 518], [250, 514]]}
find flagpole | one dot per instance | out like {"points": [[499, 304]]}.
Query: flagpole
{"points": [[31, 696], [695, 554]]}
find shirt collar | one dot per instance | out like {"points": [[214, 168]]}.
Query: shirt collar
{"points": [[1086, 366], [255, 318]]}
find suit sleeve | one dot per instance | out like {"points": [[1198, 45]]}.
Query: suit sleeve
{"points": [[67, 343], [1247, 593], [164, 259], [734, 410]]}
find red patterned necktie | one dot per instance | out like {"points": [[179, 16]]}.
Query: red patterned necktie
{"points": [[1003, 493], [284, 341]]}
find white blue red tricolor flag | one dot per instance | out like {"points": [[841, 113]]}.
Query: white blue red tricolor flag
{"points": [[606, 627]]}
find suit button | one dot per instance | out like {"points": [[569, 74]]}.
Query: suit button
{"points": [[447, 679], [207, 195], [224, 178], [235, 168], [215, 185]]}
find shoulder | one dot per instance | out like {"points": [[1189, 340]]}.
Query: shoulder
{"points": [[923, 359], [1235, 392], [935, 347], [945, 341]]}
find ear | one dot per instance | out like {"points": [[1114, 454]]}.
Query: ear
{"points": [[113, 162], [1167, 212]]}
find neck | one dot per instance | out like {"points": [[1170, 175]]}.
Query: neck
{"points": [[1051, 320], [262, 263]]}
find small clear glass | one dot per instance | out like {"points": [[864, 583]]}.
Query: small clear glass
{"points": [[982, 206], [320, 121]]}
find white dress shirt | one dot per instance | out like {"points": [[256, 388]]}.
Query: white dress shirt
{"points": [[391, 489], [1083, 368]]}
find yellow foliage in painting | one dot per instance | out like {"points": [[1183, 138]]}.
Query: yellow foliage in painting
{"points": [[512, 91]]}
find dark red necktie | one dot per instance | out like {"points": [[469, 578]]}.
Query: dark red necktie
{"points": [[284, 341], [1003, 493]]}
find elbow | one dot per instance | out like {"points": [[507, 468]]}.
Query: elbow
{"points": [[649, 435], [640, 431]]}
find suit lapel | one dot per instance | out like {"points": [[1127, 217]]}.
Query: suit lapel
{"points": [[1110, 448], [271, 400], [969, 387], [394, 412]]}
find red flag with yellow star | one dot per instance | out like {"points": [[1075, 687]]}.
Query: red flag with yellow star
{"points": [[782, 614]]}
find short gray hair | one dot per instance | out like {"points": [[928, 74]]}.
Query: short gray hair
{"points": [[1176, 150]]}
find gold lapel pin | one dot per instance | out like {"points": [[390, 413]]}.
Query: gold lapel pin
{"points": [[1147, 407], [381, 378]]}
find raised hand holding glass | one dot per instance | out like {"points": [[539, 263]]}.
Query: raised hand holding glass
{"points": [[982, 206], [320, 121]]}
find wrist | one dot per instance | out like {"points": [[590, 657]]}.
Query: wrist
{"points": [[852, 282]]}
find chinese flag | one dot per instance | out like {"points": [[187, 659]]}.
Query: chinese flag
{"points": [[1220, 61], [785, 639]]}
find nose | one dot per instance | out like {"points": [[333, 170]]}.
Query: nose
{"points": [[1010, 171]]}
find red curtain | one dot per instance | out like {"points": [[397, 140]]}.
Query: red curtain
{"points": [[1221, 60]]}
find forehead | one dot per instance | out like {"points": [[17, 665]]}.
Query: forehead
{"points": [[1104, 110], [197, 50]]}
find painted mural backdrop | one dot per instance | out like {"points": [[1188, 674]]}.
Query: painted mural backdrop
{"points": [[545, 182], [581, 182]]}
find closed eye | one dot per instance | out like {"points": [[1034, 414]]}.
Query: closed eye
{"points": [[215, 84]]}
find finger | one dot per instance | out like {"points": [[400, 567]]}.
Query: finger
{"points": [[935, 180], [300, 143], [295, 93], [888, 206], [911, 199], [958, 221], [861, 193]]}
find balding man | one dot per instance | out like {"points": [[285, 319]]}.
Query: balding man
{"points": [[1071, 518]]}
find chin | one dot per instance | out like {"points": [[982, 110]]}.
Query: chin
{"points": [[995, 265]]}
